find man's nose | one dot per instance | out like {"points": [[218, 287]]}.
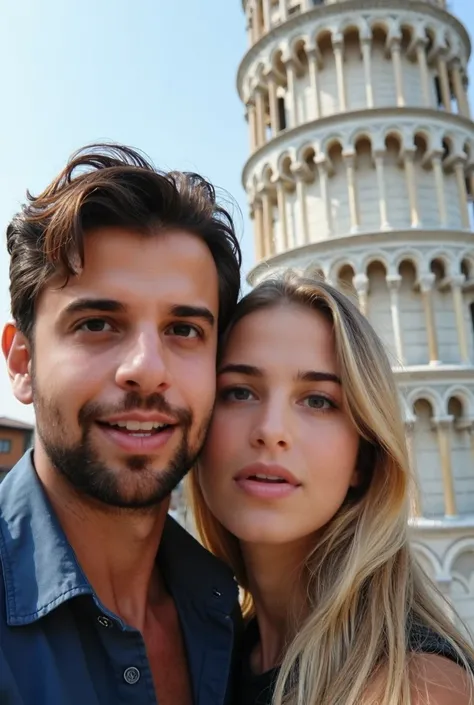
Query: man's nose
{"points": [[143, 368]]}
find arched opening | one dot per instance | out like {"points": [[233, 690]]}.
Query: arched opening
{"points": [[413, 321], [328, 91], [396, 183], [428, 462], [345, 278], [444, 315], [383, 81], [461, 459], [379, 309], [367, 186], [338, 190], [353, 69], [428, 214]]}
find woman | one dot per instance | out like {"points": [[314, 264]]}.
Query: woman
{"points": [[304, 490]]}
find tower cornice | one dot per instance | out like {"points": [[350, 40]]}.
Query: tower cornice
{"points": [[327, 12], [416, 117]]}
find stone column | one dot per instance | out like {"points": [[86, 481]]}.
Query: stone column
{"points": [[322, 167], [349, 158], [292, 105], [361, 285], [249, 29], [283, 244], [395, 51], [258, 229], [409, 159], [458, 166], [456, 287], [338, 47], [273, 104], [436, 161], [379, 166], [267, 223], [443, 427], [283, 11], [302, 231], [313, 65], [267, 16], [444, 83], [260, 116], [424, 75], [252, 120], [409, 434], [366, 45], [393, 284], [426, 287], [459, 92]]}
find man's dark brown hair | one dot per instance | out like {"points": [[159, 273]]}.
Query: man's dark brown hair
{"points": [[113, 185]]}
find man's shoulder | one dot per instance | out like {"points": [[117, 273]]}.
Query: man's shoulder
{"points": [[188, 565]]}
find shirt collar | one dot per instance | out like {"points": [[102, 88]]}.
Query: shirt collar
{"points": [[41, 571]]}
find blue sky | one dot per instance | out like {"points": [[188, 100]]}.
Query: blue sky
{"points": [[156, 74]]}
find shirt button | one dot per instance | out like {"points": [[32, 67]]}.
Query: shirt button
{"points": [[131, 675], [104, 621]]}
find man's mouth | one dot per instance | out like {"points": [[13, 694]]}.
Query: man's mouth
{"points": [[137, 429]]}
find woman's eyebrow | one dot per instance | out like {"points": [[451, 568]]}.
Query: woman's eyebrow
{"points": [[248, 370], [313, 376]]}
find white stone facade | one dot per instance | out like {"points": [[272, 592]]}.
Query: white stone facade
{"points": [[361, 169]]}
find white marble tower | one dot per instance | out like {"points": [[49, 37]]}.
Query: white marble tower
{"points": [[361, 167]]}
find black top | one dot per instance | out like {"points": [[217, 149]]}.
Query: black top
{"points": [[258, 689]]}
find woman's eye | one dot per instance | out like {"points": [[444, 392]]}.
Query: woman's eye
{"points": [[95, 325], [237, 394], [184, 330], [316, 401]]}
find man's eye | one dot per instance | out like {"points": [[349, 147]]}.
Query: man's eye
{"points": [[95, 325], [184, 330]]}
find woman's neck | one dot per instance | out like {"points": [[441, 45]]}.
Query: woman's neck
{"points": [[278, 591]]}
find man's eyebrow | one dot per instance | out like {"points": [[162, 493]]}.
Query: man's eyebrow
{"points": [[313, 376], [104, 305], [183, 311], [248, 370]]}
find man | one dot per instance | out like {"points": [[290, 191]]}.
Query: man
{"points": [[121, 280]]}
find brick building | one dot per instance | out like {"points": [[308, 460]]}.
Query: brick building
{"points": [[15, 438]]}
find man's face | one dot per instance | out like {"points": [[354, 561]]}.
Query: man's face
{"points": [[123, 370]]}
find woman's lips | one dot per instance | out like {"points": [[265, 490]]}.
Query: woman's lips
{"points": [[266, 481]]}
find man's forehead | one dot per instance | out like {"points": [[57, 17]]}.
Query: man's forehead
{"points": [[169, 268]]}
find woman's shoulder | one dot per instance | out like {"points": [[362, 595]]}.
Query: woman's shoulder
{"points": [[439, 680]]}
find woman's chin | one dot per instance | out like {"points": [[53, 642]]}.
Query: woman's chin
{"points": [[264, 530]]}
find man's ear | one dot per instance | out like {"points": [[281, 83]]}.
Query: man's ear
{"points": [[17, 352]]}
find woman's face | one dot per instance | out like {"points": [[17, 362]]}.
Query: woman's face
{"points": [[281, 451]]}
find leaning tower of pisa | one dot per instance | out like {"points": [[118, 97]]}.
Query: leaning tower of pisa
{"points": [[361, 169]]}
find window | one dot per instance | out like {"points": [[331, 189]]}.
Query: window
{"points": [[281, 114], [5, 446]]}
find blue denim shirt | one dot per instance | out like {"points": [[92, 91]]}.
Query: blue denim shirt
{"points": [[60, 646]]}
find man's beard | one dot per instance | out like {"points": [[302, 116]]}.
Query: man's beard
{"points": [[82, 467]]}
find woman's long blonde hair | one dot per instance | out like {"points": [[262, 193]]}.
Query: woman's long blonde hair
{"points": [[363, 583]]}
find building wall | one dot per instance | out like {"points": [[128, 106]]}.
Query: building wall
{"points": [[19, 440]]}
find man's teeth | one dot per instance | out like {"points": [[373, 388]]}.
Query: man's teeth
{"points": [[139, 425]]}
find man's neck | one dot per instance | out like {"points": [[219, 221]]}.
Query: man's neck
{"points": [[115, 548], [276, 585]]}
